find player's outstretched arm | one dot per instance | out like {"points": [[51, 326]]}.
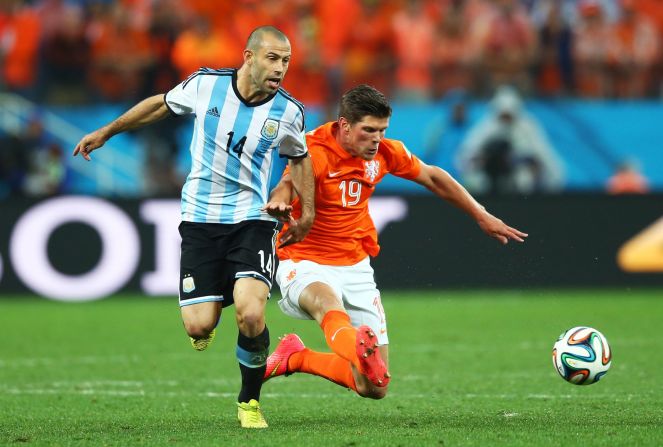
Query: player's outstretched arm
{"points": [[146, 112], [438, 181]]}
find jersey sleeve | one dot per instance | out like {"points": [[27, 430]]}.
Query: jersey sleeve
{"points": [[293, 144], [318, 162], [181, 100], [403, 163]]}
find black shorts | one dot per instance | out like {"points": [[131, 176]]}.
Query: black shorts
{"points": [[213, 256]]}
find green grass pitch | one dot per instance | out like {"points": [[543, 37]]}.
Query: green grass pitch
{"points": [[469, 368]]}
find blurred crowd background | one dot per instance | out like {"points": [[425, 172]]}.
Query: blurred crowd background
{"points": [[67, 54]]}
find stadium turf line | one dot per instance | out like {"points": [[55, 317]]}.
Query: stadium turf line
{"points": [[469, 369]]}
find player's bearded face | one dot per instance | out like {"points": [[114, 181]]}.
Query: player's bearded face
{"points": [[363, 137], [270, 64]]}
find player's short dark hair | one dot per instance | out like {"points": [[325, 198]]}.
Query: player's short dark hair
{"points": [[362, 101], [256, 36]]}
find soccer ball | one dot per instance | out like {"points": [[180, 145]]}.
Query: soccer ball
{"points": [[581, 355]]}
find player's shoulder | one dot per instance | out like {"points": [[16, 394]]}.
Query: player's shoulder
{"points": [[206, 71], [392, 147], [284, 93], [319, 153], [395, 153], [318, 144], [321, 134], [320, 139]]}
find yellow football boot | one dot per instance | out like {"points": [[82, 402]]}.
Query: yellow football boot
{"points": [[250, 415], [200, 344]]}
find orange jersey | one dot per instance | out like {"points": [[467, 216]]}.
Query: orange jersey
{"points": [[343, 232]]}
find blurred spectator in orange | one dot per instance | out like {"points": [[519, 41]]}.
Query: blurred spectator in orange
{"points": [[121, 55], [554, 68], [163, 30], [506, 46], [369, 56], [201, 46], [250, 14], [337, 19], [414, 32], [452, 48], [652, 9], [50, 14], [509, 152], [591, 45], [634, 49], [19, 46], [307, 77], [221, 14], [627, 179], [140, 12], [65, 58]]}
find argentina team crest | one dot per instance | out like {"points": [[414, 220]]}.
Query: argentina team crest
{"points": [[188, 285], [371, 169], [270, 129]]}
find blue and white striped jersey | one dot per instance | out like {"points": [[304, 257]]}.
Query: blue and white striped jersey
{"points": [[233, 144]]}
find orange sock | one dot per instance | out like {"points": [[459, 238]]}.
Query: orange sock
{"points": [[323, 364], [341, 336]]}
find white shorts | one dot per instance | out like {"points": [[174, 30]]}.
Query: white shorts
{"points": [[354, 284]]}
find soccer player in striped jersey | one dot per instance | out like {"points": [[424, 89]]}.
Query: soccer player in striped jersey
{"points": [[242, 117], [328, 276]]}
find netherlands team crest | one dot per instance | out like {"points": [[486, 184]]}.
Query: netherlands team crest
{"points": [[270, 129], [372, 169]]}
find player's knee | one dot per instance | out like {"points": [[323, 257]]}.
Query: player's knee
{"points": [[371, 391], [250, 319], [199, 328]]}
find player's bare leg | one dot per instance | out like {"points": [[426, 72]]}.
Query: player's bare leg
{"points": [[319, 298], [250, 297], [200, 321]]}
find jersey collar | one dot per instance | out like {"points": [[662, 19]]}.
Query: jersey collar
{"points": [[244, 101], [328, 131]]}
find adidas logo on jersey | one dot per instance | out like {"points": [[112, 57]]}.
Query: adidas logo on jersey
{"points": [[213, 111]]}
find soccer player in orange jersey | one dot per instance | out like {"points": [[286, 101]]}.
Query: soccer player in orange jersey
{"points": [[328, 276]]}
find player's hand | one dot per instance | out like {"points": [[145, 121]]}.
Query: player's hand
{"points": [[89, 143], [497, 229], [279, 210], [297, 231]]}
